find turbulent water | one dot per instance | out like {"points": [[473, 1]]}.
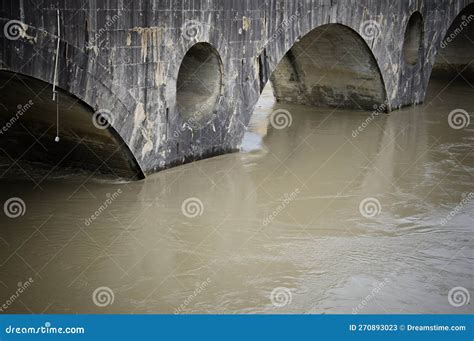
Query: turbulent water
{"points": [[339, 212]]}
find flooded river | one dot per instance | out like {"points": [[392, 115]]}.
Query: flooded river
{"points": [[335, 213]]}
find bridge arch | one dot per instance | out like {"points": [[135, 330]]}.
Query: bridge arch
{"points": [[413, 40], [333, 66], [28, 131], [454, 58], [199, 84]]}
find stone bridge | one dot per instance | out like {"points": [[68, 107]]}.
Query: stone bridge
{"points": [[144, 85]]}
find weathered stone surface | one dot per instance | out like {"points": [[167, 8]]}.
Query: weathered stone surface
{"points": [[125, 57]]}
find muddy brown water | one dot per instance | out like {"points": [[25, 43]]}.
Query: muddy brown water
{"points": [[312, 218]]}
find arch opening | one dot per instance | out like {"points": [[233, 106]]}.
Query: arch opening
{"points": [[330, 66], [87, 143], [199, 83], [413, 39], [456, 52]]}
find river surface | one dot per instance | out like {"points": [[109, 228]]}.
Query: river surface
{"points": [[317, 217]]}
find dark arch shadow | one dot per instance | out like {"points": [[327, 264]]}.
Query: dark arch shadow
{"points": [[455, 57], [331, 66], [28, 130]]}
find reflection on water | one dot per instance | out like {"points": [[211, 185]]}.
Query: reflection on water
{"points": [[285, 216]]}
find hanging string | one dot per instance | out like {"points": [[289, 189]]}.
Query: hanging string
{"points": [[55, 80]]}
